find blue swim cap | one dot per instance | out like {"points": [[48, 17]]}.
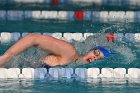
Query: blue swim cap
{"points": [[105, 52]]}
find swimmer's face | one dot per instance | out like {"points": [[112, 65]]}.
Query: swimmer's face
{"points": [[93, 56]]}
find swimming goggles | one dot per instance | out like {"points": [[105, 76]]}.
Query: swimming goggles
{"points": [[96, 52]]}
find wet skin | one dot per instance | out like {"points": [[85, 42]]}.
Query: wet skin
{"points": [[91, 56], [62, 52]]}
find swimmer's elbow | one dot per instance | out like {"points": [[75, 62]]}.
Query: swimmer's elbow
{"points": [[31, 35], [33, 38]]}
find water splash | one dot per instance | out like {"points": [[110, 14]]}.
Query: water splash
{"points": [[124, 53], [29, 58]]}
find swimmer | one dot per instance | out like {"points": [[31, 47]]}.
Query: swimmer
{"points": [[62, 52]]}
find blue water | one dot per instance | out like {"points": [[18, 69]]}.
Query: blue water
{"points": [[70, 5], [69, 86], [128, 53], [123, 58], [126, 59], [64, 26]]}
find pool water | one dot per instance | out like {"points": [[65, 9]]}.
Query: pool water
{"points": [[123, 58], [66, 26], [127, 52], [75, 85], [69, 86]]}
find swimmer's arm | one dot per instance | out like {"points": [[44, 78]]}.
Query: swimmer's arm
{"points": [[24, 43]]}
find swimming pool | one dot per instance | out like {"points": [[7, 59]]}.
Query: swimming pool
{"points": [[80, 25], [70, 86]]}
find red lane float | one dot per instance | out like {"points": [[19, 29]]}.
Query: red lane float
{"points": [[110, 37], [55, 2], [79, 15]]}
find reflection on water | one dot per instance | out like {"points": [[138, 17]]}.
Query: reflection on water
{"points": [[69, 86]]}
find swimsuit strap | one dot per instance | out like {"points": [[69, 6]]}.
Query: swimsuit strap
{"points": [[45, 66]]}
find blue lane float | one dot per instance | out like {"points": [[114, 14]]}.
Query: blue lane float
{"points": [[40, 73]]}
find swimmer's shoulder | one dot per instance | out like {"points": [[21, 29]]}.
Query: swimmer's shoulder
{"points": [[68, 59]]}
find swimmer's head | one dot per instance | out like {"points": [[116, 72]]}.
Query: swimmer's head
{"points": [[96, 53], [105, 52]]}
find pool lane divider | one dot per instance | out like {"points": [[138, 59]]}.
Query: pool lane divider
{"points": [[59, 73], [7, 37], [79, 15], [120, 3], [94, 16]]}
